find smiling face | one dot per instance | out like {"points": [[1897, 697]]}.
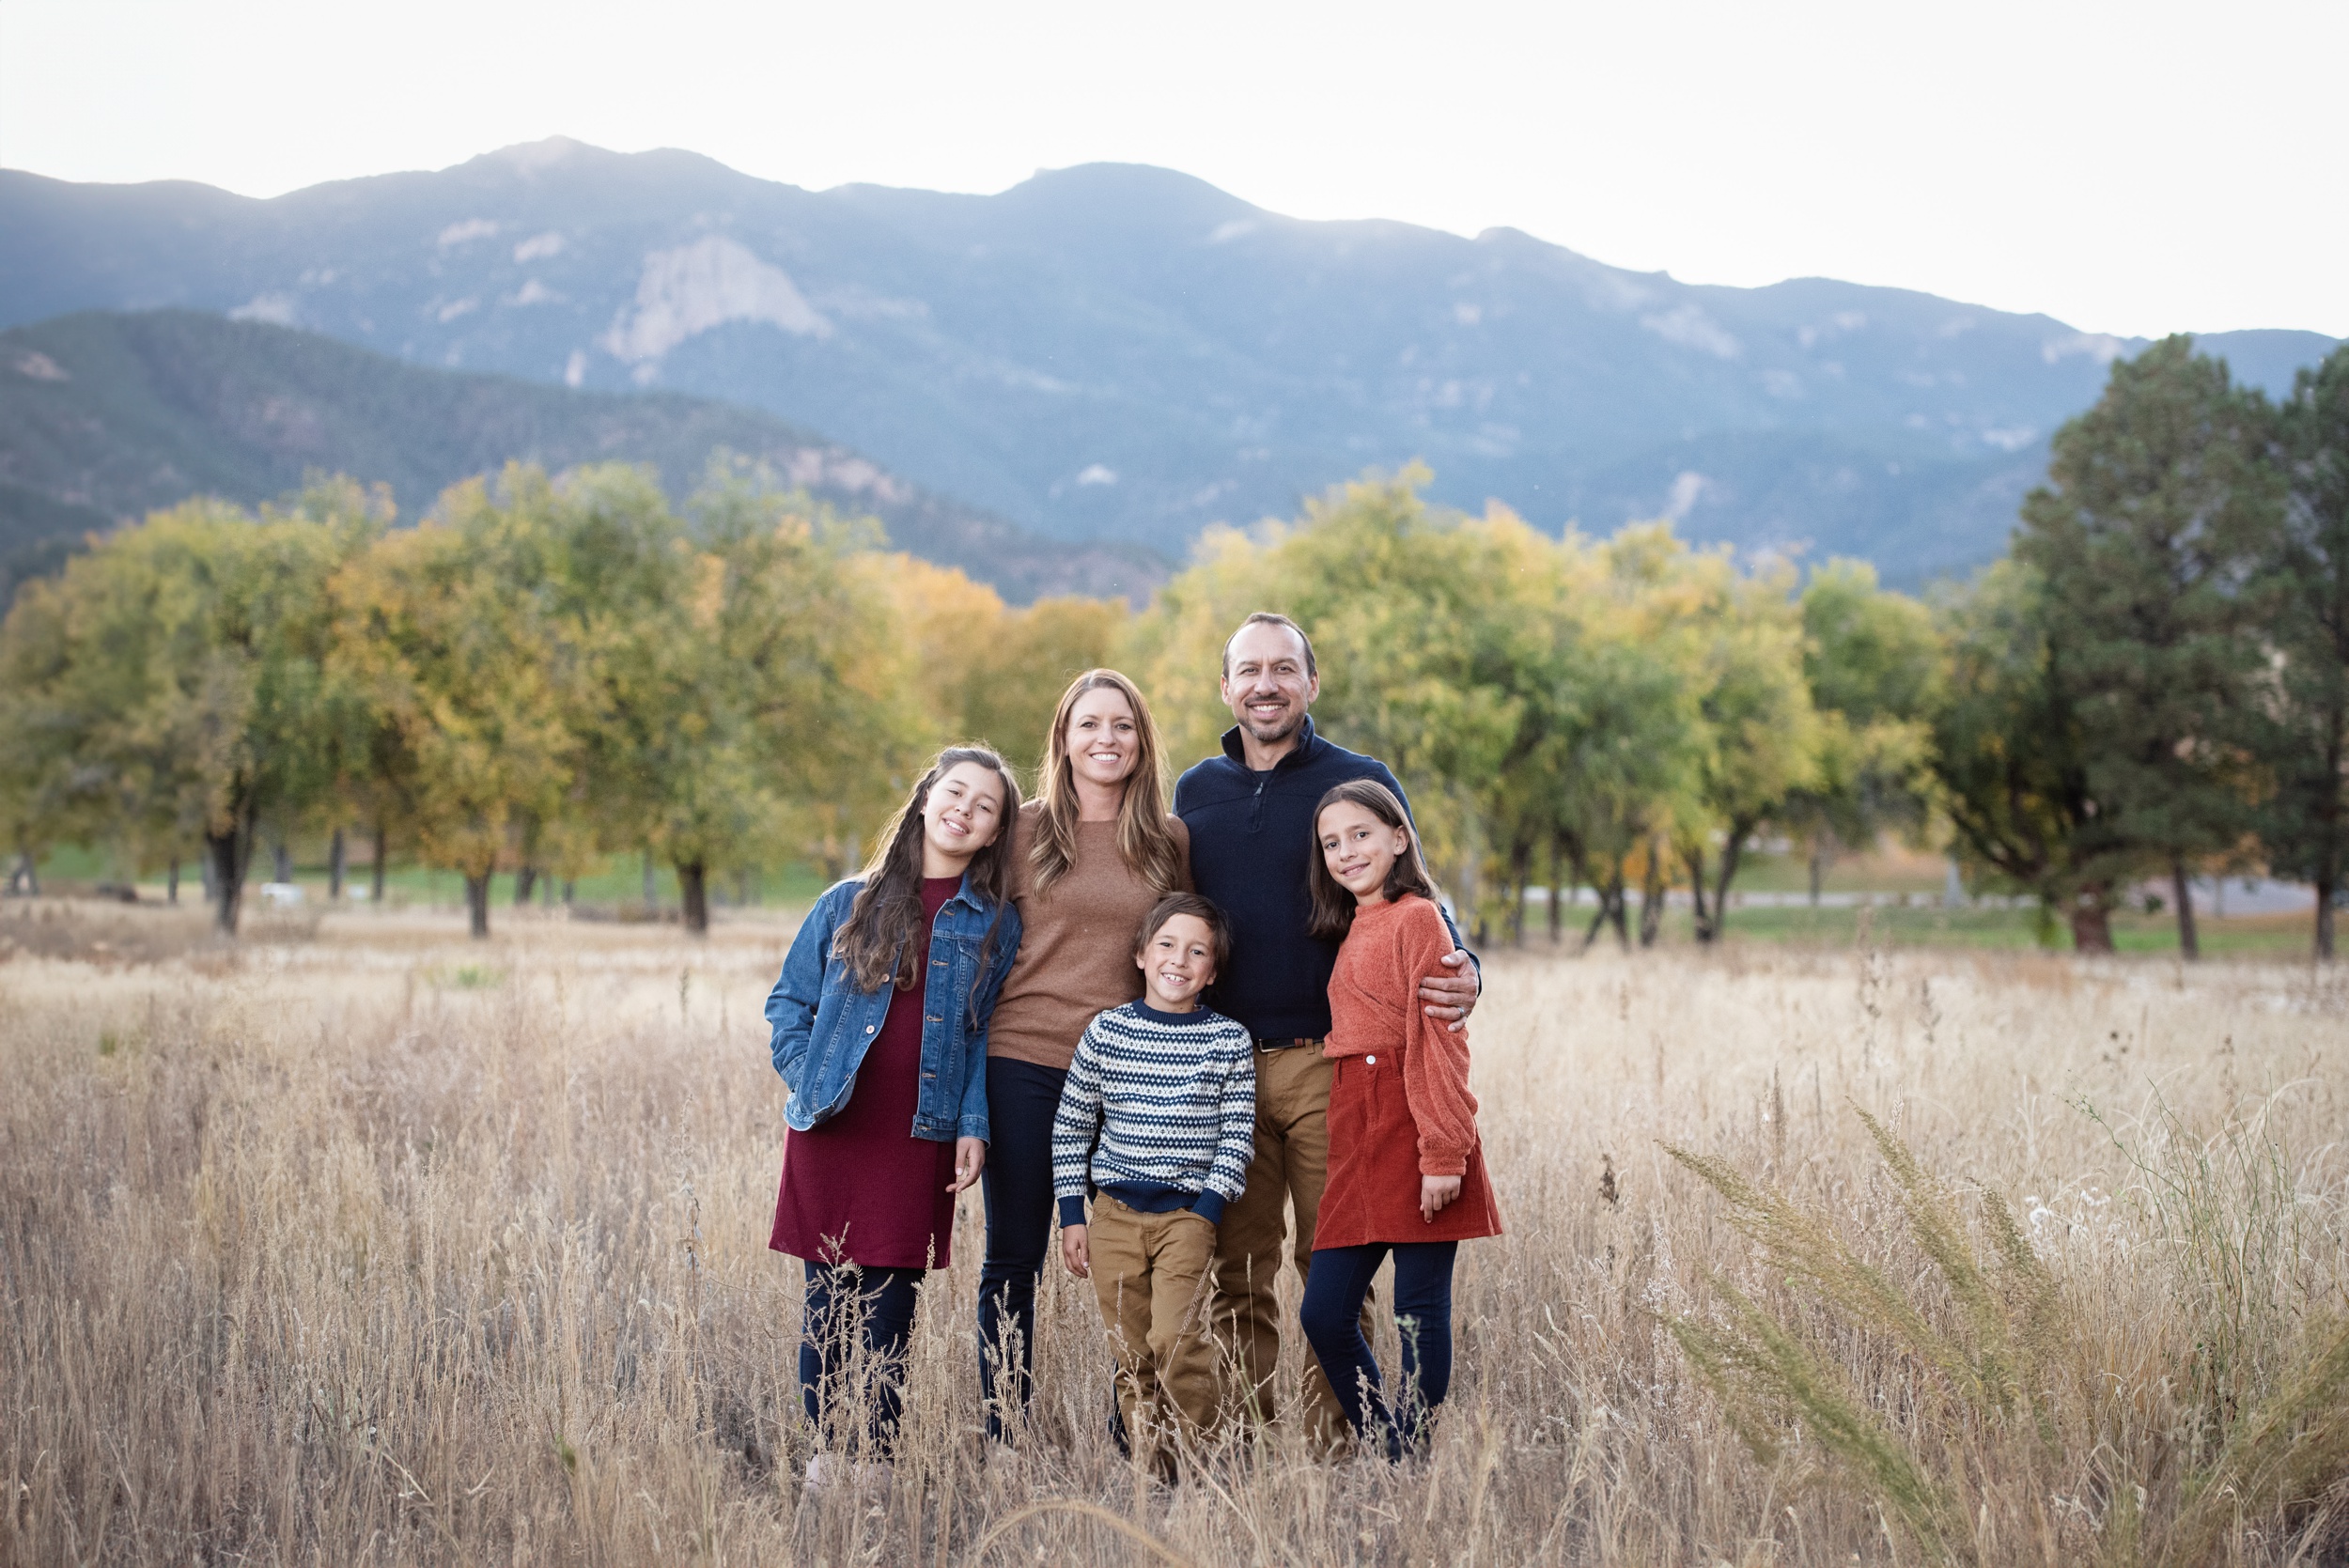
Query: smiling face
{"points": [[1177, 962], [1358, 849], [1103, 738], [1264, 682], [960, 816]]}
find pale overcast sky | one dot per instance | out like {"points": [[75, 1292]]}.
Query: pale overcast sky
{"points": [[2134, 168]]}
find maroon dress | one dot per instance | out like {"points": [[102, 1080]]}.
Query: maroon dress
{"points": [[860, 1188]]}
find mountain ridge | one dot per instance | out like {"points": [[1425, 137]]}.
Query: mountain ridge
{"points": [[1114, 352], [106, 416]]}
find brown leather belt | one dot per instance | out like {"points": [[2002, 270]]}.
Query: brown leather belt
{"points": [[1286, 1042]]}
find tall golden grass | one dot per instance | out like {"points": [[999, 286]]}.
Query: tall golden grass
{"points": [[383, 1247]]}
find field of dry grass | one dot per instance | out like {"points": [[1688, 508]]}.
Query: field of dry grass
{"points": [[368, 1245]]}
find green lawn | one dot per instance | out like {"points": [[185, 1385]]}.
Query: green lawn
{"points": [[1929, 926], [618, 880]]}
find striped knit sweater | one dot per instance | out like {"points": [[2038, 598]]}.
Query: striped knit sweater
{"points": [[1159, 1110]]}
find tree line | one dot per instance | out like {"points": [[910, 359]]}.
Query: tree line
{"points": [[2154, 683]]}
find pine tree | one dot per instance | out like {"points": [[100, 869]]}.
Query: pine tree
{"points": [[2305, 823], [2145, 543]]}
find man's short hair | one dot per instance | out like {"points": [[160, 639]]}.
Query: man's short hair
{"points": [[1267, 618], [1201, 909]]}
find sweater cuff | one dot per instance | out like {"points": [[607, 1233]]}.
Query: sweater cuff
{"points": [[1072, 1210], [1442, 1163], [1209, 1208]]}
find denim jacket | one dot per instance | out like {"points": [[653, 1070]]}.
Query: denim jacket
{"points": [[824, 1024]]}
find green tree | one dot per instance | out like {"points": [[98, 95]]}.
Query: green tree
{"points": [[2008, 756], [168, 686], [1873, 662], [2143, 539], [1761, 735], [2305, 597], [744, 671], [451, 632]]}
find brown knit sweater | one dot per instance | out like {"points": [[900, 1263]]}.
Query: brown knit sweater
{"points": [[1076, 942]]}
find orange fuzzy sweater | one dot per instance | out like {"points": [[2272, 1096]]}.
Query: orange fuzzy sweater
{"points": [[1399, 1105]]}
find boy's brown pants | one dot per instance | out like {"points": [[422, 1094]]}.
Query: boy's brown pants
{"points": [[1152, 1274]]}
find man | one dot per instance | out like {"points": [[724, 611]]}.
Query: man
{"points": [[1250, 811]]}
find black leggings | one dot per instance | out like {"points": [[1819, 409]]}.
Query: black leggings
{"points": [[842, 1296], [1333, 1313], [1021, 1099]]}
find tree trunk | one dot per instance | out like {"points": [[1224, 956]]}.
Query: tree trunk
{"points": [[281, 862], [1733, 853], [2327, 888], [570, 888], [693, 894], [375, 892], [1818, 871], [226, 857], [1693, 857], [171, 883], [1557, 902], [478, 905], [651, 897], [336, 855], [1520, 872], [525, 878], [26, 875], [1652, 896], [2091, 925], [2189, 940], [204, 868]]}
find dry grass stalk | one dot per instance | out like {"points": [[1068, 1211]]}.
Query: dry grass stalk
{"points": [[384, 1248]]}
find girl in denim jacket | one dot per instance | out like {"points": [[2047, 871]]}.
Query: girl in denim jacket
{"points": [[880, 1033]]}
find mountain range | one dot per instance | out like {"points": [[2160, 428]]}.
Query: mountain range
{"points": [[106, 415], [1123, 353]]}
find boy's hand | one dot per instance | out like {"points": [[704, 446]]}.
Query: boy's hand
{"points": [[970, 1159], [1434, 1193], [1074, 1252]]}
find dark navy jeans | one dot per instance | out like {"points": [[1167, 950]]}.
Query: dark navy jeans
{"points": [[1021, 1098], [1333, 1313], [879, 1304]]}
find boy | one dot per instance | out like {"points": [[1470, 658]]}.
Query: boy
{"points": [[1158, 1115]]}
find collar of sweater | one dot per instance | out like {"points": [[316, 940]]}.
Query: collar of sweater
{"points": [[1296, 755], [1180, 1020]]}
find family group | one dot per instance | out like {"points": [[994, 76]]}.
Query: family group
{"points": [[1164, 1029]]}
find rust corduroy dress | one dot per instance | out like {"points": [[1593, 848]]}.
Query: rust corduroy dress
{"points": [[1400, 1106]]}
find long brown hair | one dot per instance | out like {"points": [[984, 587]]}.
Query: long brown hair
{"points": [[884, 925], [1144, 840], [1334, 906]]}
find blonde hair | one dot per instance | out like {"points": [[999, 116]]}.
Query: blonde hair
{"points": [[1144, 840]]}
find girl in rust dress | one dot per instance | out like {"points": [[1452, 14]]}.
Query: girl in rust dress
{"points": [[1407, 1171]]}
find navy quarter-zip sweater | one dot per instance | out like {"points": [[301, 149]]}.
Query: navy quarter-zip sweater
{"points": [[1251, 844]]}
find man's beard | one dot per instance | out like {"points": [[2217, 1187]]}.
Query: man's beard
{"points": [[1287, 726]]}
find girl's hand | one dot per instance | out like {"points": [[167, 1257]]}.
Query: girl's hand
{"points": [[970, 1159], [1074, 1252], [1434, 1193]]}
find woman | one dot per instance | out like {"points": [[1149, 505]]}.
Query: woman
{"points": [[1090, 856], [880, 1020]]}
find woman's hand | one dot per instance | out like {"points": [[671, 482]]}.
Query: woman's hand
{"points": [[1434, 1193], [1075, 1252], [970, 1159]]}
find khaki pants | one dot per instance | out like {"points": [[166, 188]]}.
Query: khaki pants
{"points": [[1290, 1168], [1150, 1272]]}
